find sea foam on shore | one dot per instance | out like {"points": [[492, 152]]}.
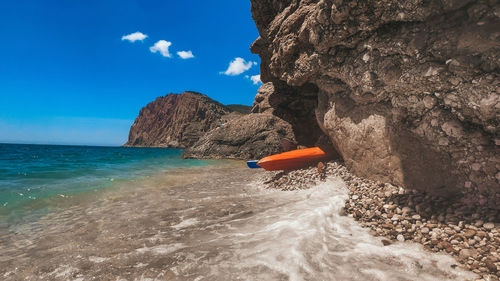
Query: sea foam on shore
{"points": [[469, 233], [212, 223]]}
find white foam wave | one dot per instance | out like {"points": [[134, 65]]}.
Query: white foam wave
{"points": [[161, 249], [186, 223], [307, 239]]}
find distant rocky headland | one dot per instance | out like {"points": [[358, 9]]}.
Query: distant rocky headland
{"points": [[177, 120], [207, 128]]}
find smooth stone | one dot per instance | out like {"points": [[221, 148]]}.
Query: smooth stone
{"points": [[470, 233], [489, 225], [481, 234], [406, 210], [490, 265], [386, 242], [467, 253], [449, 232]]}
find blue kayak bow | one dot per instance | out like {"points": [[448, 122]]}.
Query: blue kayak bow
{"points": [[252, 164]]}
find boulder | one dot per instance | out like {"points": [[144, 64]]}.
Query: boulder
{"points": [[252, 136]]}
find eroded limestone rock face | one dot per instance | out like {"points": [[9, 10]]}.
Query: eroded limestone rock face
{"points": [[177, 120], [295, 105], [407, 90]]}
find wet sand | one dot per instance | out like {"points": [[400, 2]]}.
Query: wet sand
{"points": [[211, 223]]}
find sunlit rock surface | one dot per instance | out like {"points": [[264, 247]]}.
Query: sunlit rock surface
{"points": [[251, 136], [407, 91], [178, 120]]}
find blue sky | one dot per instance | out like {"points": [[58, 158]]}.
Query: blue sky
{"points": [[68, 75]]}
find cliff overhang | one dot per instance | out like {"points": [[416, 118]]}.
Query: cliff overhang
{"points": [[406, 91]]}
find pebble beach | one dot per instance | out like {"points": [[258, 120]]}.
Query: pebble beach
{"points": [[213, 223], [471, 234]]}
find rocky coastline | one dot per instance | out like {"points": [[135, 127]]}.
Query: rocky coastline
{"points": [[179, 120], [408, 94], [466, 230], [208, 129], [408, 91]]}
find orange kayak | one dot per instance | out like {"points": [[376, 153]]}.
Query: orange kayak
{"points": [[294, 159]]}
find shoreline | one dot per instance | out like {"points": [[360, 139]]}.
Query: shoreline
{"points": [[470, 234], [180, 225], [130, 222], [164, 225], [21, 212]]}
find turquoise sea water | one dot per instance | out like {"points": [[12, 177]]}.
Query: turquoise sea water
{"points": [[31, 176]]}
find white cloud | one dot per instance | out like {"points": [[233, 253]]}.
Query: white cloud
{"points": [[162, 47], [255, 79], [136, 36], [238, 66], [185, 54]]}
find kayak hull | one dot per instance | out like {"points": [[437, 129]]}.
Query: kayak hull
{"points": [[294, 159]]}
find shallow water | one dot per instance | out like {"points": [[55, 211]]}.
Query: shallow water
{"points": [[34, 177], [211, 223]]}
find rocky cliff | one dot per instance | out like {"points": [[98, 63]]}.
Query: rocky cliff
{"points": [[208, 129], [178, 121], [407, 90]]}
